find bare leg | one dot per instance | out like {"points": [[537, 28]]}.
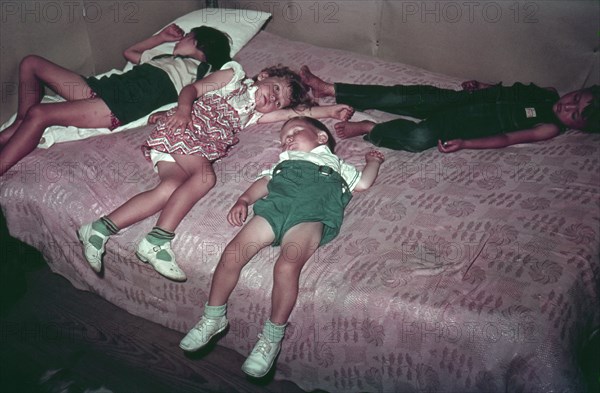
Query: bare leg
{"points": [[23, 135], [8, 132], [319, 87], [81, 113], [253, 237], [348, 129], [147, 203], [201, 178], [34, 72], [297, 246]]}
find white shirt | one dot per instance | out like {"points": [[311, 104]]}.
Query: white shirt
{"points": [[182, 71], [320, 155]]}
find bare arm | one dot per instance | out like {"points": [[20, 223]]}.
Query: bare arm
{"points": [[183, 115], [239, 212], [538, 133], [339, 111], [168, 34], [214, 81], [374, 160]]}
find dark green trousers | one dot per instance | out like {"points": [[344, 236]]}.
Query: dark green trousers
{"points": [[447, 114]]}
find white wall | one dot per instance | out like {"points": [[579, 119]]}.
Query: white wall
{"points": [[548, 42]]}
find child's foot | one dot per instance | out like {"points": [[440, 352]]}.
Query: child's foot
{"points": [[202, 333], [319, 87], [93, 245], [262, 357], [161, 258], [348, 129]]}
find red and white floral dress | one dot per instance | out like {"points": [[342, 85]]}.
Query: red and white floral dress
{"points": [[217, 117]]}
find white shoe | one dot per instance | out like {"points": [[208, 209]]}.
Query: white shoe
{"points": [[91, 253], [261, 358], [147, 251], [202, 333]]}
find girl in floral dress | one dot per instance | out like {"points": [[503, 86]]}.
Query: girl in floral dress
{"points": [[185, 143]]}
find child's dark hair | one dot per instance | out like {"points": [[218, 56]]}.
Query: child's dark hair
{"points": [[300, 96], [591, 113], [318, 125], [215, 45]]}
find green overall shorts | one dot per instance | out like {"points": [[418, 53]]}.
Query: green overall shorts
{"points": [[301, 191]]}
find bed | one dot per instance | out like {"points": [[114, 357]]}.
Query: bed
{"points": [[472, 271]]}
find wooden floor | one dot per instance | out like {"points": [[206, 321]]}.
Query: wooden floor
{"points": [[54, 337]]}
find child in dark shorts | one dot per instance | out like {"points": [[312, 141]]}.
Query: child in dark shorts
{"points": [[108, 102], [298, 204], [481, 116]]}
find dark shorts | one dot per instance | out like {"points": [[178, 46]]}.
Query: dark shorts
{"points": [[114, 122], [135, 93], [301, 191]]}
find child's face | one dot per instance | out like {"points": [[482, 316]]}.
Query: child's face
{"points": [[186, 46], [273, 93], [569, 108], [298, 135]]}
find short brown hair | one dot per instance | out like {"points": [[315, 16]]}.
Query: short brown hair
{"points": [[318, 125]]}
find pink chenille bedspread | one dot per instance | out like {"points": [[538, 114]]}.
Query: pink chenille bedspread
{"points": [[472, 271]]}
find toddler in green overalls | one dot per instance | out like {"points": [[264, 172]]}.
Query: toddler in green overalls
{"points": [[298, 204]]}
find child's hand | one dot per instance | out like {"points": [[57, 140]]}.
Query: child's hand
{"points": [[450, 146], [374, 158], [172, 33], [238, 213], [179, 120], [156, 116], [375, 155], [341, 112]]}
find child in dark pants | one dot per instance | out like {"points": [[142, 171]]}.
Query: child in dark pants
{"points": [[481, 116], [298, 204]]}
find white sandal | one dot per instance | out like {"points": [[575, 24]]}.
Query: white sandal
{"points": [[93, 255], [147, 252]]}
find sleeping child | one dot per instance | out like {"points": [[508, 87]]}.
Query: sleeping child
{"points": [[298, 205], [481, 116], [108, 102]]}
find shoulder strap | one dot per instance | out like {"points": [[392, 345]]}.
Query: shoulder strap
{"points": [[203, 70]]}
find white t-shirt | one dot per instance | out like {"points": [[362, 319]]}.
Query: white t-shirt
{"points": [[182, 71], [320, 155]]}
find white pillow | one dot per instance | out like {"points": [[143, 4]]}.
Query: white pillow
{"points": [[241, 25]]}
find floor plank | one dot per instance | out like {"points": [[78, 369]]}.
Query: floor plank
{"points": [[46, 326]]}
